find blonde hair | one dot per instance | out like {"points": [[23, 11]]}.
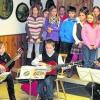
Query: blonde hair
{"points": [[92, 15], [57, 16]]}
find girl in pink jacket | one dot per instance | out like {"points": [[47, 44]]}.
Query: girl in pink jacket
{"points": [[90, 36]]}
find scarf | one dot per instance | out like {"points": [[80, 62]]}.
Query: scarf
{"points": [[91, 24]]}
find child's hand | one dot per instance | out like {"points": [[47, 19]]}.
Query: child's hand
{"points": [[94, 47], [2, 68], [38, 41], [42, 64], [31, 41], [49, 30]]}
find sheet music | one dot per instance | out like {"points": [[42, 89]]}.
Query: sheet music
{"points": [[84, 74], [89, 74], [95, 75], [33, 72]]}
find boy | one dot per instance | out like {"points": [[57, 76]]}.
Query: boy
{"points": [[4, 58], [50, 56], [66, 35]]}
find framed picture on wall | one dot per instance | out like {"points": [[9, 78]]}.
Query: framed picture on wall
{"points": [[6, 8], [22, 12]]}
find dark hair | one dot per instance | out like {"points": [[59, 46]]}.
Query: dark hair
{"points": [[49, 4], [38, 8], [1, 43], [50, 41], [96, 7], [45, 10], [62, 7], [71, 8], [84, 10]]}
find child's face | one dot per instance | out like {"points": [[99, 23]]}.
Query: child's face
{"points": [[46, 14], [49, 48], [62, 11], [2, 49], [71, 14], [35, 11], [82, 16], [96, 11], [53, 12], [90, 18]]}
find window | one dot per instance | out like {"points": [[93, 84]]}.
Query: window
{"points": [[22, 12], [6, 8]]}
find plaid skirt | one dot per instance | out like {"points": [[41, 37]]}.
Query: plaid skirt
{"points": [[75, 49]]}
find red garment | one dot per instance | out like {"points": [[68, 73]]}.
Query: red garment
{"points": [[26, 87], [63, 17], [91, 24]]}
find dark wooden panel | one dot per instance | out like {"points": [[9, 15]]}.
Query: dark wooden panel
{"points": [[12, 43]]}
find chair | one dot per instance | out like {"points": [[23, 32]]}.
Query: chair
{"points": [[60, 77]]}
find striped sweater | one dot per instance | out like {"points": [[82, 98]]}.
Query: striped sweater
{"points": [[34, 27]]}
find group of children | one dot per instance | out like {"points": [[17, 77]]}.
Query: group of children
{"points": [[78, 37]]}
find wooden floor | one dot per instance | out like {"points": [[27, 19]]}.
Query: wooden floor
{"points": [[20, 95]]}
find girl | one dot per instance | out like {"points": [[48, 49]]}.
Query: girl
{"points": [[90, 38], [34, 29], [52, 26], [76, 49], [45, 15], [96, 11], [62, 13]]}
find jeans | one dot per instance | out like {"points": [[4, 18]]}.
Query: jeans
{"points": [[30, 49], [88, 56], [45, 87]]}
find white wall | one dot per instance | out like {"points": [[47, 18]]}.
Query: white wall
{"points": [[96, 3], [12, 25]]}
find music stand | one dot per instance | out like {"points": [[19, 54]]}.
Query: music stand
{"points": [[31, 73], [89, 75]]}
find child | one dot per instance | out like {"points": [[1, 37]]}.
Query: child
{"points": [[45, 15], [66, 35], [4, 58], [52, 25], [90, 39], [62, 13], [50, 56], [96, 11], [34, 31], [76, 49]]}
